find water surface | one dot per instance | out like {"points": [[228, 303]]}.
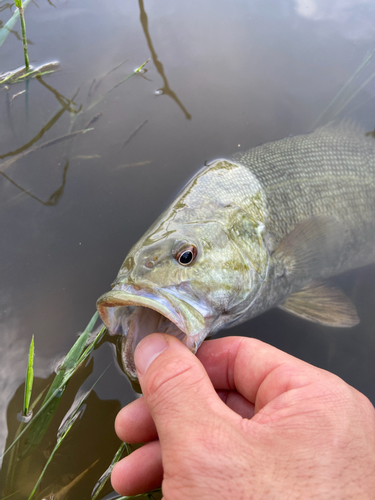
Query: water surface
{"points": [[223, 76]]}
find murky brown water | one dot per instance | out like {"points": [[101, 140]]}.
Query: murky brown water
{"points": [[230, 75]]}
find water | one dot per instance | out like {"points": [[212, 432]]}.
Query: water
{"points": [[223, 76]]}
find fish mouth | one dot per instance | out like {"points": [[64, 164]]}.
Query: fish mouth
{"points": [[135, 312]]}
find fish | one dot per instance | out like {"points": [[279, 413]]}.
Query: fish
{"points": [[259, 229]]}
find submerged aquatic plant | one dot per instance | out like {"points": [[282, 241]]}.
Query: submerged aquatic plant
{"points": [[72, 416], [35, 422], [39, 423], [149, 495], [105, 476]]}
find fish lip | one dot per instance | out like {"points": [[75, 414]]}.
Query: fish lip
{"points": [[121, 297], [187, 318]]}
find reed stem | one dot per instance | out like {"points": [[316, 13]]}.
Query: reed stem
{"points": [[23, 28]]}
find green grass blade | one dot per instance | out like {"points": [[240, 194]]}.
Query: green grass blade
{"points": [[57, 446], [13, 454], [73, 356], [38, 414], [86, 353], [117, 84], [129, 76], [42, 418], [5, 30], [105, 476], [65, 371], [29, 379], [10, 496], [65, 426]]}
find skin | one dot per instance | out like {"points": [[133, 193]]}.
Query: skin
{"points": [[243, 420]]}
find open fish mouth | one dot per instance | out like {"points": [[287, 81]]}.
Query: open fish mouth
{"points": [[136, 312]]}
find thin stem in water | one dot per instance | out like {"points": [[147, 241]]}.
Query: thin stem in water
{"points": [[24, 39]]}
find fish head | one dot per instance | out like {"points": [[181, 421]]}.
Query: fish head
{"points": [[188, 276]]}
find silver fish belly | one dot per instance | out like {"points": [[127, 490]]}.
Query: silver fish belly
{"points": [[257, 230]]}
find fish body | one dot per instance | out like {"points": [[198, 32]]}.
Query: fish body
{"points": [[259, 229]]}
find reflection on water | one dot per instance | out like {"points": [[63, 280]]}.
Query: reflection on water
{"points": [[65, 107], [249, 73], [80, 459], [55, 196], [158, 65], [29, 147]]}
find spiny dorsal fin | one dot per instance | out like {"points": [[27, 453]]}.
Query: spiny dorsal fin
{"points": [[313, 246], [324, 304], [342, 127]]}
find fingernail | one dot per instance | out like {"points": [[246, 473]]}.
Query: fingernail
{"points": [[148, 350]]}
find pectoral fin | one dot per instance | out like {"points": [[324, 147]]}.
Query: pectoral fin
{"points": [[324, 304], [312, 247]]}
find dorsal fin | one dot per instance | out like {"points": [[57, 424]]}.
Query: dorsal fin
{"points": [[342, 127]]}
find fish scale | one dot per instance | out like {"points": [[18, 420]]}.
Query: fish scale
{"points": [[335, 176]]}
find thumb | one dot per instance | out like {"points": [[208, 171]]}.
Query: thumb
{"points": [[176, 387]]}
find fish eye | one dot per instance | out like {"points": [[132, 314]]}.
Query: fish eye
{"points": [[186, 255]]}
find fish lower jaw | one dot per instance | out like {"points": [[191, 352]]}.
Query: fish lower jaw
{"points": [[134, 317], [139, 329]]}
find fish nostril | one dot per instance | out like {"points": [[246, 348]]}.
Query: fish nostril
{"points": [[150, 263]]}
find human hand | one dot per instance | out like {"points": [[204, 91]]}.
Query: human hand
{"points": [[243, 420]]}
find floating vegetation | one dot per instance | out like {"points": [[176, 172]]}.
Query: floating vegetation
{"points": [[21, 74], [16, 95]]}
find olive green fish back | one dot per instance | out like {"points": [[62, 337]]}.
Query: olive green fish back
{"points": [[328, 172]]}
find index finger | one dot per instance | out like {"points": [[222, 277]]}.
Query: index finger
{"points": [[255, 369]]}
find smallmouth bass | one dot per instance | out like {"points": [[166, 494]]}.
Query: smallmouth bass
{"points": [[261, 229]]}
